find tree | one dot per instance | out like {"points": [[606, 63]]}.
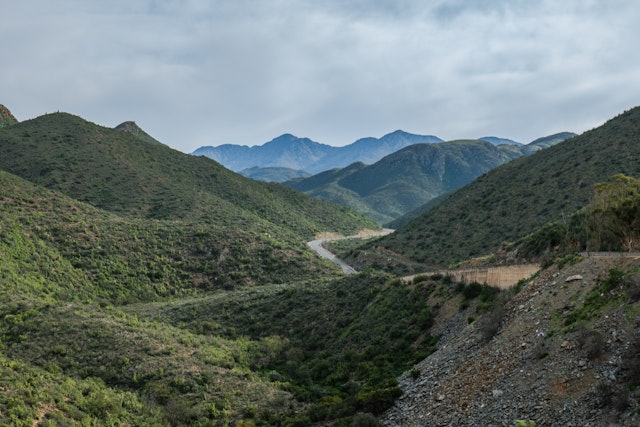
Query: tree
{"points": [[615, 213]]}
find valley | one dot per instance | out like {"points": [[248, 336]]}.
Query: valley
{"points": [[143, 286]]}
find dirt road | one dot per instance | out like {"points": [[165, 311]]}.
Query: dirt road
{"points": [[317, 247]]}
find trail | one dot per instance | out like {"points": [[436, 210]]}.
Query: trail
{"points": [[317, 247]]}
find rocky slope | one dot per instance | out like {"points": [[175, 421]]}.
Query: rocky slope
{"points": [[565, 353]]}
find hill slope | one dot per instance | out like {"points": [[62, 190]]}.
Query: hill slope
{"points": [[97, 255], [562, 351], [408, 178], [304, 154], [125, 174], [516, 198]]}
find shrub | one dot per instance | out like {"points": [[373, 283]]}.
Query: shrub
{"points": [[489, 324], [379, 400], [366, 420], [612, 396], [592, 342]]}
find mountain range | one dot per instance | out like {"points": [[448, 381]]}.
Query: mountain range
{"points": [[144, 286], [299, 157], [410, 177], [520, 196], [312, 157]]}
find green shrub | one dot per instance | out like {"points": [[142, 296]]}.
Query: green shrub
{"points": [[366, 420]]}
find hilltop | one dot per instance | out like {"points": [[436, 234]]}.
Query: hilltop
{"points": [[516, 198], [128, 175], [133, 128]]}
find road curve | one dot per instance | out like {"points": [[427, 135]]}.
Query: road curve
{"points": [[317, 247]]}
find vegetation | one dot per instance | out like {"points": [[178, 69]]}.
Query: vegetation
{"points": [[610, 222], [408, 178], [86, 254], [141, 286], [517, 198], [367, 329], [122, 173], [6, 118]]}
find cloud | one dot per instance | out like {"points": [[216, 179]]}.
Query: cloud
{"points": [[195, 72]]}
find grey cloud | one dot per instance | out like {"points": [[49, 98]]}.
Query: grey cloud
{"points": [[196, 72]]}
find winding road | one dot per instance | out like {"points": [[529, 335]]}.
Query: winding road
{"points": [[317, 247]]}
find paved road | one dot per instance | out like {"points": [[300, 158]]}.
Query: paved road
{"points": [[316, 246]]}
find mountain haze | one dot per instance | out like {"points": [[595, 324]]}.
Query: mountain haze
{"points": [[304, 154]]}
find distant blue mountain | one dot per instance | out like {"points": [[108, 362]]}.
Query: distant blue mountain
{"points": [[303, 154]]}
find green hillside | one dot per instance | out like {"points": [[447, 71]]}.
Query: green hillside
{"points": [[408, 178], [119, 172], [518, 197], [103, 256], [72, 355]]}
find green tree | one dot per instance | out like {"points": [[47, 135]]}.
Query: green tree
{"points": [[615, 213]]}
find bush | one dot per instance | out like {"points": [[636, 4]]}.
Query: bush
{"points": [[366, 420], [592, 342], [489, 324], [379, 400], [612, 396]]}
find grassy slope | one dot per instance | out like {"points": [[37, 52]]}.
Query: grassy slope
{"points": [[132, 259], [337, 344], [117, 171], [516, 198], [408, 178], [224, 357], [167, 225]]}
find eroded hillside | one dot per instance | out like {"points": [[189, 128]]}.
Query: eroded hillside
{"points": [[564, 352]]}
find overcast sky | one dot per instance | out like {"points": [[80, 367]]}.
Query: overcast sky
{"points": [[209, 72]]}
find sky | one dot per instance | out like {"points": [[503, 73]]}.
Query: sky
{"points": [[194, 73]]}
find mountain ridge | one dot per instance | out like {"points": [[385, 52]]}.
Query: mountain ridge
{"points": [[514, 199], [307, 155], [410, 177]]}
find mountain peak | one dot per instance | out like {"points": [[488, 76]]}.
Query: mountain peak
{"points": [[6, 118], [131, 127]]}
